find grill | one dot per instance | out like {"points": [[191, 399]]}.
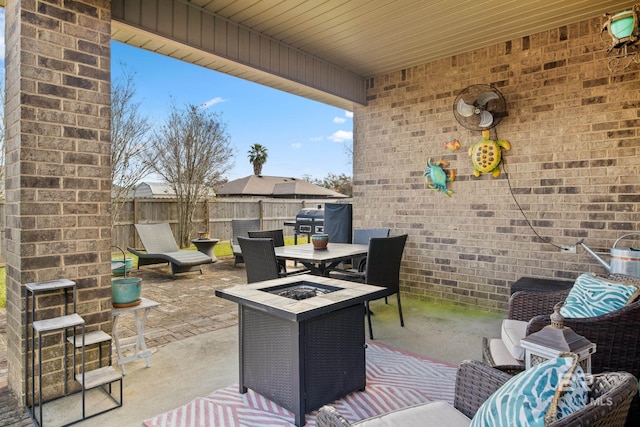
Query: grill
{"points": [[310, 221]]}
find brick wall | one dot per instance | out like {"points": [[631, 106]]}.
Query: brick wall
{"points": [[574, 129], [58, 169]]}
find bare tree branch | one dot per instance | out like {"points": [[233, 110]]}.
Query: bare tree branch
{"points": [[129, 139], [193, 153]]}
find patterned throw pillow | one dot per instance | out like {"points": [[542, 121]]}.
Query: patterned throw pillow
{"points": [[593, 296], [525, 399]]}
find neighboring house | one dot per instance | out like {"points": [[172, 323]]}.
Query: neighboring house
{"points": [[157, 190], [276, 186]]}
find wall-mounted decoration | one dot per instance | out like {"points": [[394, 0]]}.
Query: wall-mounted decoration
{"points": [[452, 145], [479, 107], [487, 154], [623, 38], [437, 177]]}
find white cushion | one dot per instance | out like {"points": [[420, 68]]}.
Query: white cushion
{"points": [[500, 354], [512, 332], [436, 414]]}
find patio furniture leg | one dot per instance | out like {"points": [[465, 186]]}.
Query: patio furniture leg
{"points": [[366, 304], [400, 311]]}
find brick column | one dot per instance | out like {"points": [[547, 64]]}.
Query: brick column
{"points": [[58, 167]]}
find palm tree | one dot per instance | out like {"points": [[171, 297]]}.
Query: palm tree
{"points": [[258, 157]]}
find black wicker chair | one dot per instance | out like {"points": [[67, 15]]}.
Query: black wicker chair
{"points": [[616, 334], [259, 259], [276, 235], [362, 236], [383, 269], [278, 240], [610, 396]]}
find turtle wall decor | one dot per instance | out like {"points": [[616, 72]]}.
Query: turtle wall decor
{"points": [[486, 154], [437, 177]]}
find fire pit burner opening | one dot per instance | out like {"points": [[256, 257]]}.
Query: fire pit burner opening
{"points": [[301, 290]]}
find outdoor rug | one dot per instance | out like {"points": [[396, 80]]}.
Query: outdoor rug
{"points": [[395, 379]]}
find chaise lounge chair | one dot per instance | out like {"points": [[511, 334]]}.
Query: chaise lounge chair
{"points": [[160, 246]]}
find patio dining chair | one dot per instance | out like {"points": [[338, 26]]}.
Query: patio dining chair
{"points": [[383, 269], [361, 236], [259, 259], [278, 240]]}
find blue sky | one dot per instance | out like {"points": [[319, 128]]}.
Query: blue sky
{"points": [[303, 137]]}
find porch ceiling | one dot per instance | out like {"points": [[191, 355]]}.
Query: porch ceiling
{"points": [[365, 37]]}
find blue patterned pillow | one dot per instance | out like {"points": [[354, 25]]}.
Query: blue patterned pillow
{"points": [[593, 296], [525, 399]]}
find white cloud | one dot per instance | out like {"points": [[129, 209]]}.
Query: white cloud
{"points": [[315, 138], [341, 136], [296, 145], [348, 114], [212, 102], [339, 120]]}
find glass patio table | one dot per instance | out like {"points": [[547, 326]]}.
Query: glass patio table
{"points": [[321, 261]]}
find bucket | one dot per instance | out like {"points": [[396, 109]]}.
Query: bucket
{"points": [[625, 260], [125, 292]]}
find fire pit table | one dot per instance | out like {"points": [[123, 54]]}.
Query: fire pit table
{"points": [[302, 339]]}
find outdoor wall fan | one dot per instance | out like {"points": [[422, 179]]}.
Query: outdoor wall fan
{"points": [[479, 107]]}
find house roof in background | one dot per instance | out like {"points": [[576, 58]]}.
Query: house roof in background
{"points": [[276, 186], [157, 190]]}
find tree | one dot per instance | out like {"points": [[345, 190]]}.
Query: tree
{"points": [[129, 139], [340, 183], [193, 153], [257, 157]]}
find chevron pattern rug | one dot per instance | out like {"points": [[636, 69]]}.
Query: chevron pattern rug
{"points": [[395, 379]]}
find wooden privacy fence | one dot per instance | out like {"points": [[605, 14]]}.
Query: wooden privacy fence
{"points": [[213, 216]]}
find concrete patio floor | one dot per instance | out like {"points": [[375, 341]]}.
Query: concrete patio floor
{"points": [[193, 337]]}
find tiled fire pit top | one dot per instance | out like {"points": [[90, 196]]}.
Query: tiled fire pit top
{"points": [[263, 296]]}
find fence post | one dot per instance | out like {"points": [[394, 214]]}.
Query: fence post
{"points": [[261, 210]]}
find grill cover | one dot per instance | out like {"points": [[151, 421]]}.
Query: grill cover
{"points": [[338, 222]]}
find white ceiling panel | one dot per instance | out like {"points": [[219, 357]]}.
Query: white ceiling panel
{"points": [[374, 37]]}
